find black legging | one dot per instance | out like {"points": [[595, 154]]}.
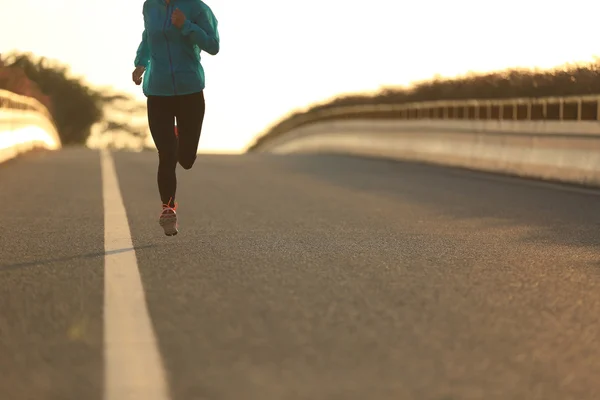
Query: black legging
{"points": [[162, 111]]}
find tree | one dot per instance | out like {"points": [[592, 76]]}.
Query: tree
{"points": [[564, 80], [74, 106]]}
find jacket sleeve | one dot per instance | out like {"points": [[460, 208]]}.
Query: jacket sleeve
{"points": [[142, 56], [202, 30]]}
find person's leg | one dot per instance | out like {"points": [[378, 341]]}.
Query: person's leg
{"points": [[190, 116], [161, 120]]}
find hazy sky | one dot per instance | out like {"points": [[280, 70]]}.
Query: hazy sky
{"points": [[279, 55]]}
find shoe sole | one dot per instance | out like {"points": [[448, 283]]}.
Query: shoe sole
{"points": [[169, 224]]}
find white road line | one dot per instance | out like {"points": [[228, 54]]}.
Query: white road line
{"points": [[132, 364]]}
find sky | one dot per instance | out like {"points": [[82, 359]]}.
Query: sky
{"points": [[278, 56]]}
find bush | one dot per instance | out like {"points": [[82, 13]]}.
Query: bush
{"points": [[565, 80], [74, 106]]}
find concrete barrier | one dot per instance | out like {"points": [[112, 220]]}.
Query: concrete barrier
{"points": [[25, 125], [566, 151]]}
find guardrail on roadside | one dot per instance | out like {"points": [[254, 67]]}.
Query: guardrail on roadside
{"points": [[25, 124], [555, 138], [553, 109]]}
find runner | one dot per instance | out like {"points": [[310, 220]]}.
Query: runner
{"points": [[175, 33]]}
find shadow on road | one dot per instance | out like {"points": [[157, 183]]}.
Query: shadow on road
{"points": [[553, 212], [39, 263]]}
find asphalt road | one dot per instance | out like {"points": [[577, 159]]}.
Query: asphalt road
{"points": [[306, 277]]}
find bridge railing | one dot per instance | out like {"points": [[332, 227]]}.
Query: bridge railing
{"points": [[551, 109], [555, 138], [571, 108], [25, 124]]}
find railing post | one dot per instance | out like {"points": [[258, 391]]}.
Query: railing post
{"points": [[579, 110], [561, 109], [544, 109]]}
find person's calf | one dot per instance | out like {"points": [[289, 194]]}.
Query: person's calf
{"points": [[187, 162]]}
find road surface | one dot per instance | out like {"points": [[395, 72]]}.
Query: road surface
{"points": [[297, 277]]}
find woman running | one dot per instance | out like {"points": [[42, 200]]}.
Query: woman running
{"points": [[175, 33]]}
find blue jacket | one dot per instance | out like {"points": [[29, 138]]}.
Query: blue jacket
{"points": [[171, 55]]}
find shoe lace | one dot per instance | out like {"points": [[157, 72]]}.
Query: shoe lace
{"points": [[167, 207]]}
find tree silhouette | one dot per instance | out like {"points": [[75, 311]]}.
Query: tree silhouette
{"points": [[565, 80], [74, 106]]}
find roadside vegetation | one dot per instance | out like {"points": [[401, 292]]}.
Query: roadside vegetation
{"points": [[565, 80], [75, 106]]}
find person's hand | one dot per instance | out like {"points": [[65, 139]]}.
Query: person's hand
{"points": [[137, 74], [178, 18]]}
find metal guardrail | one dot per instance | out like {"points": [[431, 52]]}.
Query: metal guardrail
{"points": [[25, 124], [555, 108], [571, 108], [14, 101]]}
